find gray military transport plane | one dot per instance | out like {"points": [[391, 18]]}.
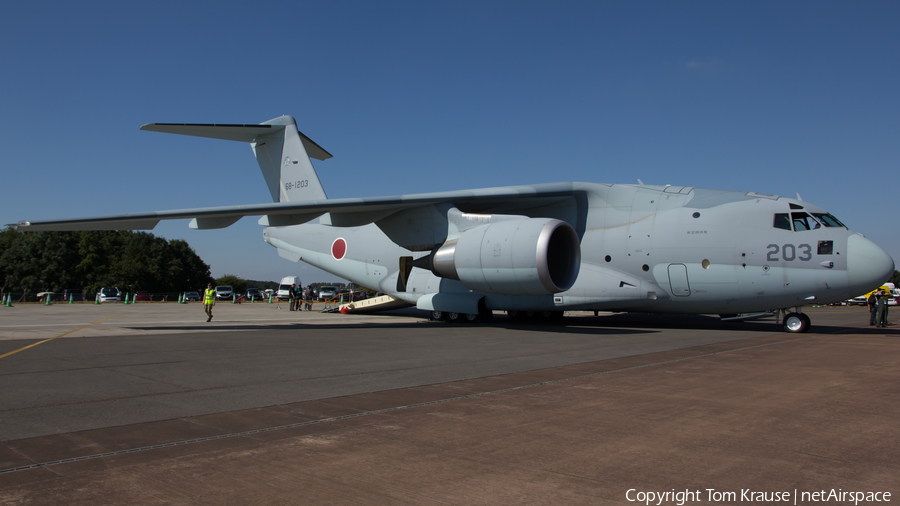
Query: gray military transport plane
{"points": [[545, 248]]}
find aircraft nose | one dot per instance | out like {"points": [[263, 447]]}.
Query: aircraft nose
{"points": [[868, 266]]}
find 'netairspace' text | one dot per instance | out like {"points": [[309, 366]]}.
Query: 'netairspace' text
{"points": [[685, 496]]}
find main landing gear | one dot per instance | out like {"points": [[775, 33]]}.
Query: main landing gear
{"points": [[481, 317], [796, 322], [485, 316]]}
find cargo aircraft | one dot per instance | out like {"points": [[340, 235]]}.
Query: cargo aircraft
{"points": [[541, 249]]}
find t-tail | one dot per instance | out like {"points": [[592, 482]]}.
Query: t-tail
{"points": [[283, 153]]}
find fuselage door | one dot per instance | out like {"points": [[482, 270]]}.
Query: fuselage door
{"points": [[678, 280]]}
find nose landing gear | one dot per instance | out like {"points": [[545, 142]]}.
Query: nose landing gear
{"points": [[796, 323]]}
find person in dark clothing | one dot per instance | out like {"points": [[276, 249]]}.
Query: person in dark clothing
{"points": [[881, 316], [292, 295], [309, 295], [873, 306]]}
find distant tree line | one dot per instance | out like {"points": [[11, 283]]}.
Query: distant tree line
{"points": [[32, 262], [240, 285]]}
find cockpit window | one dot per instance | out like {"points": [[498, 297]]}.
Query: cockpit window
{"points": [[803, 221], [800, 221], [829, 220], [782, 221]]}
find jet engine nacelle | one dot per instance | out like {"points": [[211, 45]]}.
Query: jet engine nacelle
{"points": [[517, 256]]}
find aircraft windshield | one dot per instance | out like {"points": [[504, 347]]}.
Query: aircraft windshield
{"points": [[803, 221], [800, 221], [829, 220]]}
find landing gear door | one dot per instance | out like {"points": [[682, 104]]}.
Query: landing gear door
{"points": [[678, 280]]}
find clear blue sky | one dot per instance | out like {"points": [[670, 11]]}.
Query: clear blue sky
{"points": [[410, 97]]}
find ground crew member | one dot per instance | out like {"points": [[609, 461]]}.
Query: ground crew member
{"points": [[881, 319], [298, 297], [209, 300], [292, 294], [309, 297], [873, 306]]}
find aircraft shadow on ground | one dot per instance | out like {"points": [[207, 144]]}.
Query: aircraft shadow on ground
{"points": [[623, 323], [557, 328]]}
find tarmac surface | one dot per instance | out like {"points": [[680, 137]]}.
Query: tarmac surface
{"points": [[149, 404]]}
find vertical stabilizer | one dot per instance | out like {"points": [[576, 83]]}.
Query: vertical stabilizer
{"points": [[285, 163], [283, 153]]}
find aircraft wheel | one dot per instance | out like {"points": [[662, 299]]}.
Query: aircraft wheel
{"points": [[796, 323], [514, 315], [437, 316], [454, 317], [471, 318]]}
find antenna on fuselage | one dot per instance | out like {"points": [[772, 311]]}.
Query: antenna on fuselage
{"points": [[799, 197]]}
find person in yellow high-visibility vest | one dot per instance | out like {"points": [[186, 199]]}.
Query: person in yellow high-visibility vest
{"points": [[209, 300]]}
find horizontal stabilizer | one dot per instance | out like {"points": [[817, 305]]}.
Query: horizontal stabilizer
{"points": [[241, 133]]}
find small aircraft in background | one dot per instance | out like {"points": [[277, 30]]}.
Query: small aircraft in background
{"points": [[543, 248]]}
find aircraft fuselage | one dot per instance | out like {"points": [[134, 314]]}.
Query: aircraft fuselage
{"points": [[643, 248]]}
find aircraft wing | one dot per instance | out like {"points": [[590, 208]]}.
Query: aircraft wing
{"points": [[343, 212]]}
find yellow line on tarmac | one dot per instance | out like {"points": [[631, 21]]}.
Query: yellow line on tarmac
{"points": [[57, 337]]}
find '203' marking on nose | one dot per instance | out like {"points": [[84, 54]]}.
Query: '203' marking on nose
{"points": [[789, 252]]}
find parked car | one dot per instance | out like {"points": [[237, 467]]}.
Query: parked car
{"points": [[857, 301], [326, 292], [73, 294], [224, 292], [192, 296], [351, 296], [141, 296], [254, 294], [109, 294]]}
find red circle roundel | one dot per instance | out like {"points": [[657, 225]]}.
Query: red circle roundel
{"points": [[339, 248]]}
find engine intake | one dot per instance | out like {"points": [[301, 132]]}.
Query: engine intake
{"points": [[527, 256]]}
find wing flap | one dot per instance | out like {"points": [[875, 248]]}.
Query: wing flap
{"points": [[113, 223]]}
